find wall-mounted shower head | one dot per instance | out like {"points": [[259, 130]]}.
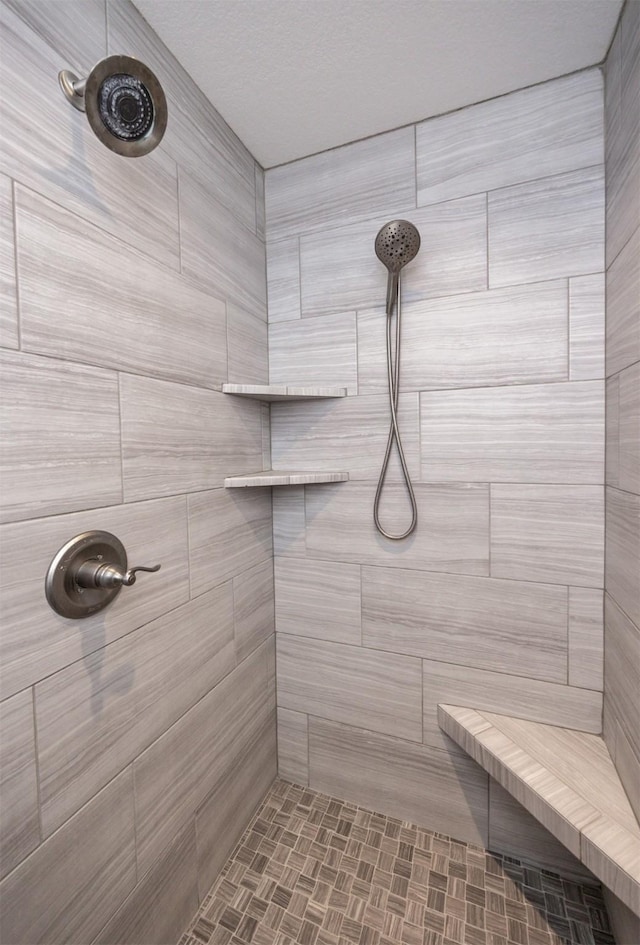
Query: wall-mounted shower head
{"points": [[124, 102], [396, 244]]}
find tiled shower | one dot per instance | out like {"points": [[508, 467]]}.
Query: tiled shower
{"points": [[283, 635]]}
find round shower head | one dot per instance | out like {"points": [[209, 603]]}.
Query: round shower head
{"points": [[397, 244]]}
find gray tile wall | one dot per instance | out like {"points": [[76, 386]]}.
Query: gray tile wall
{"points": [[134, 744], [622, 501], [497, 598]]}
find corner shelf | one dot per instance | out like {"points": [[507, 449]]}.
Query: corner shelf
{"points": [[566, 780], [283, 477], [272, 393]]}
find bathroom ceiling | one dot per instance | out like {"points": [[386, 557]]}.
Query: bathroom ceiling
{"points": [[293, 77]]}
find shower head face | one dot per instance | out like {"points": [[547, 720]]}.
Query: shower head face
{"points": [[397, 244]]}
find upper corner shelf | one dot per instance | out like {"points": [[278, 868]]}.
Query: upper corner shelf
{"points": [[275, 392]]}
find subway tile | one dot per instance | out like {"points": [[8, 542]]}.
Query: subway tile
{"points": [[440, 791], [184, 439], [622, 670], [315, 351], [452, 534], [196, 137], [94, 717], [20, 827], [318, 599], [248, 347], [380, 692], [283, 279], [36, 642], [623, 307], [175, 775], [536, 132], [514, 832], [229, 532], [535, 699], [550, 433], [62, 437], [586, 327], [229, 807], [507, 626], [340, 271], [548, 533], [547, 229], [586, 642], [217, 251], [253, 608], [514, 335], [9, 336], [288, 522], [68, 888], [622, 550], [343, 184], [119, 309], [48, 146], [347, 434], [163, 902], [293, 746]]}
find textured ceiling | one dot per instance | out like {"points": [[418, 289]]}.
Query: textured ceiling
{"points": [[293, 77]]}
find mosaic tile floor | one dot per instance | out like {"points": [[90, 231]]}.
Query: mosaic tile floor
{"points": [[313, 870]]}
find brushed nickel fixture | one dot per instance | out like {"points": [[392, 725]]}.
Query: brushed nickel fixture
{"points": [[396, 244], [87, 573], [124, 102]]}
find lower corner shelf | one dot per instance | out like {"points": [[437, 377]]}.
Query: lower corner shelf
{"points": [[283, 477]]}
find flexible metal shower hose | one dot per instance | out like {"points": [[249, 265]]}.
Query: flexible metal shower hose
{"points": [[393, 377]]}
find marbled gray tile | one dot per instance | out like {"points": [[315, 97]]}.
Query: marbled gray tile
{"points": [[453, 531], [229, 532], [260, 203], [623, 307], [247, 344], [513, 335], [348, 434], [547, 229], [70, 886], [315, 351], [612, 854], [622, 550], [219, 252], [612, 430], [293, 746], [340, 271], [586, 327], [183, 439], [97, 715], [629, 429], [550, 433], [318, 599], [283, 477], [622, 670], [341, 185], [536, 132], [54, 460], [586, 642], [440, 791], [283, 279], [50, 147], [175, 775], [378, 691], [253, 608], [273, 393], [36, 642], [160, 906], [548, 533], [19, 825], [547, 702], [625, 924], [9, 336], [288, 522], [148, 319], [509, 626], [626, 760]]}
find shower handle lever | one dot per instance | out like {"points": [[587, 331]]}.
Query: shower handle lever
{"points": [[95, 573]]}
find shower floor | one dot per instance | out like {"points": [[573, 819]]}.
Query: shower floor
{"points": [[314, 870]]}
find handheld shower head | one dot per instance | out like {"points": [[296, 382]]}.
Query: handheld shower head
{"points": [[396, 244]]}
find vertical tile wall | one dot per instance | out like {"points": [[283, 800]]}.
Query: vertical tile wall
{"points": [[136, 743], [622, 504], [496, 600]]}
